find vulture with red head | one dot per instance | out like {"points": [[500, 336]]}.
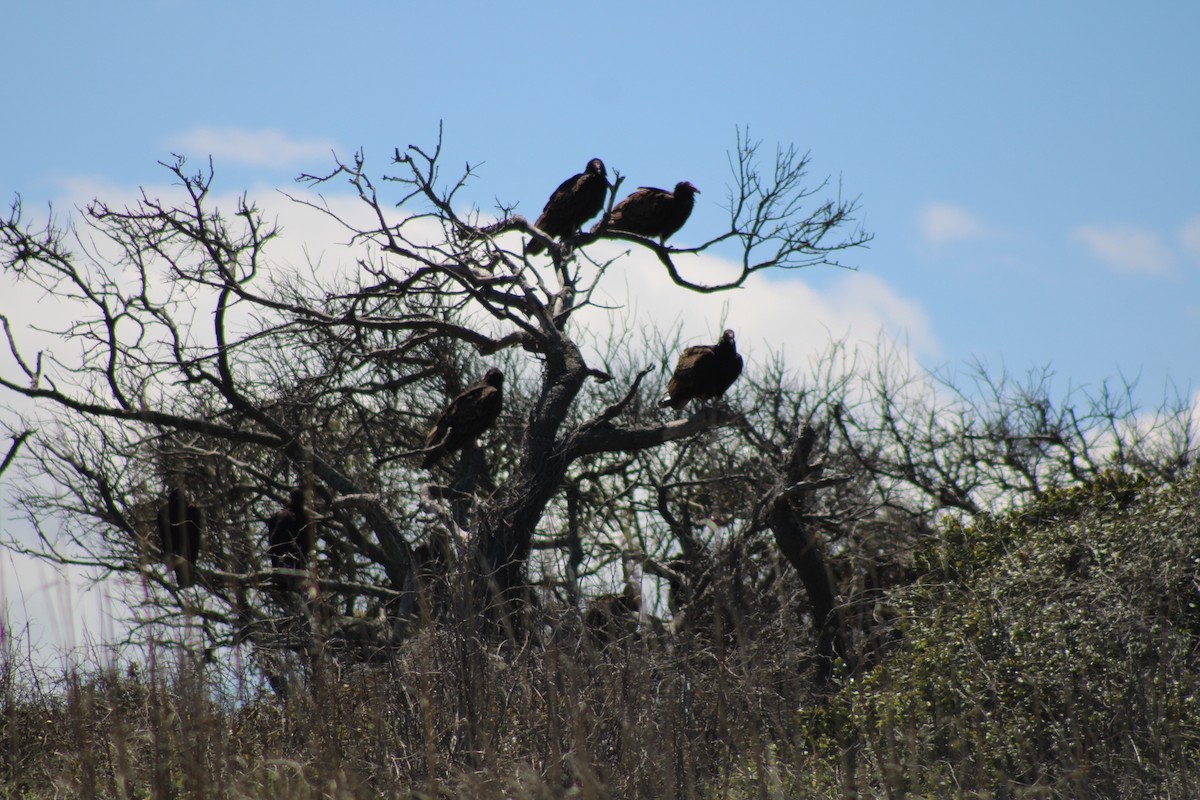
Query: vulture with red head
{"points": [[180, 526], [466, 417], [574, 202], [703, 373], [291, 536], [653, 213]]}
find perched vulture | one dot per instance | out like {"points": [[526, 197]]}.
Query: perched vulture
{"points": [[291, 537], [467, 416], [653, 213], [703, 373], [574, 202], [611, 617], [180, 526]]}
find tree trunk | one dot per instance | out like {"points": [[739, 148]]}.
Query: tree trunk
{"points": [[505, 532], [786, 517]]}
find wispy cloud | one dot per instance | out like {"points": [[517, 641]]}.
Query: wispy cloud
{"points": [[942, 222], [263, 148], [783, 313], [1189, 235], [1126, 249]]}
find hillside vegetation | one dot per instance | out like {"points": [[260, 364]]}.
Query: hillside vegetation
{"points": [[1049, 651]]}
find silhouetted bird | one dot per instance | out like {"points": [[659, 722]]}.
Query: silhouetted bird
{"points": [[613, 616], [574, 202], [291, 537], [653, 213], [180, 528], [467, 416], [703, 373]]}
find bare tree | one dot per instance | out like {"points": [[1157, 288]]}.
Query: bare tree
{"points": [[180, 318], [192, 359], [980, 441]]}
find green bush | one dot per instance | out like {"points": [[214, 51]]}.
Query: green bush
{"points": [[1047, 651]]}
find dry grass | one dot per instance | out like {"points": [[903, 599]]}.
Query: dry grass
{"points": [[449, 717], [1045, 654]]}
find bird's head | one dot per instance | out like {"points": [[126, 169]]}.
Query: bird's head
{"points": [[683, 187], [297, 498], [727, 337], [494, 378], [596, 167]]}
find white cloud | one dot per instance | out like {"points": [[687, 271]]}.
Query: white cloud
{"points": [[1126, 249], [942, 222], [1189, 235], [265, 148], [768, 313], [869, 305]]}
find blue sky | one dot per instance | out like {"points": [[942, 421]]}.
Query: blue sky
{"points": [[1028, 169]]}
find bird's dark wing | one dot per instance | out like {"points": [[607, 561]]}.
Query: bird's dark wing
{"points": [[729, 367], [441, 427], [691, 377], [283, 539], [473, 411], [651, 212], [179, 530], [588, 199], [674, 213], [467, 416], [574, 202], [290, 542], [641, 213], [166, 537], [563, 194]]}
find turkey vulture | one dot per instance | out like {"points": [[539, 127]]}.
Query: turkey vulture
{"points": [[703, 373], [290, 536], [467, 416], [574, 202], [180, 526], [653, 213]]}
